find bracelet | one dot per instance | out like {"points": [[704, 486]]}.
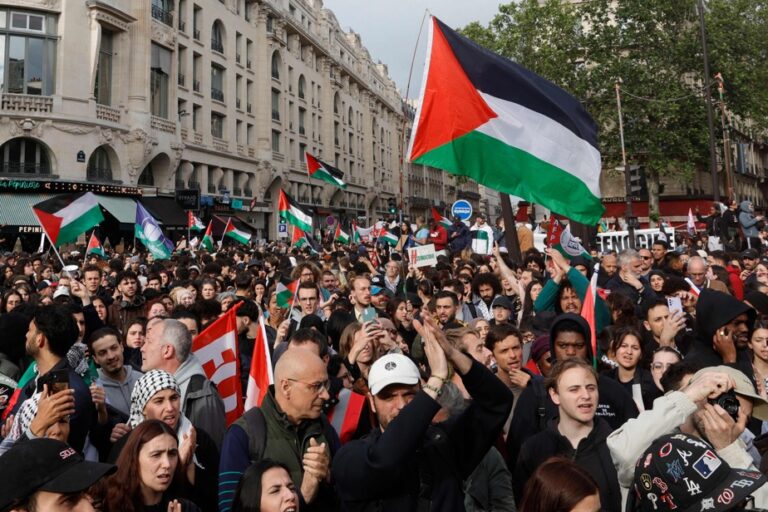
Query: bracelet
{"points": [[430, 387], [437, 377]]}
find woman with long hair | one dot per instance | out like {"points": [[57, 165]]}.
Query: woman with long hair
{"points": [[526, 314], [398, 311], [663, 358], [357, 348], [758, 345], [11, 299], [626, 347], [266, 486], [148, 473], [560, 485]]}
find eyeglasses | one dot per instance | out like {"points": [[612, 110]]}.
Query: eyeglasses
{"points": [[315, 387]]}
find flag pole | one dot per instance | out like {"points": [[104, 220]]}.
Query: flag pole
{"points": [[221, 243]]}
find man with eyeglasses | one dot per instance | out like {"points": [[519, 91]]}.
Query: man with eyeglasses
{"points": [[569, 337], [288, 427], [697, 273], [646, 261]]}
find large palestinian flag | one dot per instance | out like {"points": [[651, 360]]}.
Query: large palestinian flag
{"points": [[322, 171], [293, 213], [488, 118], [64, 217], [236, 234]]}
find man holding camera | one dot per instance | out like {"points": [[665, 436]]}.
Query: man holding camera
{"points": [[715, 406]]}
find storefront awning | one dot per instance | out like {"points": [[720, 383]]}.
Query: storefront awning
{"points": [[16, 209], [121, 208], [165, 210]]}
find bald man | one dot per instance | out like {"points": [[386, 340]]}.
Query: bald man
{"points": [[288, 427], [697, 272]]}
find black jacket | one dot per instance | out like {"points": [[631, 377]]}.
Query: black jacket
{"points": [[535, 408], [714, 310], [639, 298], [592, 454], [644, 378], [413, 463]]}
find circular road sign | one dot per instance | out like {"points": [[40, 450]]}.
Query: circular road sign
{"points": [[461, 209]]}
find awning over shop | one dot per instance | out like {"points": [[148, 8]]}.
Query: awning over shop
{"points": [[165, 210], [121, 208], [16, 209]]}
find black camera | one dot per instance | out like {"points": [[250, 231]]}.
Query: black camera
{"points": [[729, 403]]}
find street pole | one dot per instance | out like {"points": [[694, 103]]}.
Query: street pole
{"points": [[708, 99], [726, 138], [510, 229], [627, 179]]}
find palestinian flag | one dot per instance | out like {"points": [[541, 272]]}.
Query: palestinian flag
{"points": [[236, 234], [443, 221], [194, 223], [560, 238], [386, 236], [216, 349], [286, 292], [293, 213], [340, 236], [322, 171], [66, 216], [260, 374], [95, 247], [299, 238], [488, 118], [355, 233], [207, 241]]}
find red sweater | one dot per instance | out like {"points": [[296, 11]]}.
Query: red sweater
{"points": [[439, 237]]}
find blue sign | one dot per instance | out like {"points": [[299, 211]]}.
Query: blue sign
{"points": [[461, 209], [282, 228]]}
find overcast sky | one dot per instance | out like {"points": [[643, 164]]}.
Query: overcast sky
{"points": [[389, 29]]}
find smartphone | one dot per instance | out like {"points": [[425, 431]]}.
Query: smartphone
{"points": [[57, 380], [674, 304], [368, 314]]}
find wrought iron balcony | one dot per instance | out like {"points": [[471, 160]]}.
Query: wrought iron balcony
{"points": [[162, 15], [217, 94]]}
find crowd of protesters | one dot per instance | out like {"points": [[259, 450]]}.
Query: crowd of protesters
{"points": [[478, 383]]}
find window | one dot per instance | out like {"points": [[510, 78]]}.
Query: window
{"points": [[302, 119], [147, 178], [103, 87], [217, 37], [26, 156], [276, 64], [159, 79], [217, 83], [99, 167], [197, 117], [217, 125], [28, 54], [197, 15], [162, 11], [270, 25], [275, 105], [336, 103], [302, 86], [275, 141]]}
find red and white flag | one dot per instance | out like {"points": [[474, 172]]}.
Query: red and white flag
{"points": [[346, 414], [588, 313], [216, 348], [260, 375]]}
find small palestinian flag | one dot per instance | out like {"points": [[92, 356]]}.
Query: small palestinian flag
{"points": [[355, 233], [293, 213], [443, 221], [487, 118], [285, 292], [340, 236], [207, 241], [386, 236], [66, 216], [560, 238], [95, 247], [194, 223], [236, 234], [322, 171], [298, 238]]}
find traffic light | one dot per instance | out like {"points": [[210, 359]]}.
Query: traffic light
{"points": [[392, 205], [637, 184]]}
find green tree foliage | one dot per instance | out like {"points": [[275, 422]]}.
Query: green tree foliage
{"points": [[654, 48]]}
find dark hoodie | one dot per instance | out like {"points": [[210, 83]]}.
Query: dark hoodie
{"points": [[714, 310], [615, 404]]}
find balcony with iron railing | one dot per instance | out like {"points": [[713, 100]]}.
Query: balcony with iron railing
{"points": [[302, 130], [196, 34], [275, 115], [217, 94], [196, 85], [182, 25], [217, 46], [162, 15], [181, 79], [24, 168]]}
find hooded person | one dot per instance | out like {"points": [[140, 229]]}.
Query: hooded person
{"points": [[723, 324], [749, 225], [157, 396], [569, 337]]}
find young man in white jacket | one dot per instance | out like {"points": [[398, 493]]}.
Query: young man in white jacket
{"points": [[688, 410], [482, 236]]}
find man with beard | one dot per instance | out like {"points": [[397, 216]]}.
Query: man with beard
{"points": [[627, 280], [506, 344], [118, 379], [485, 287], [723, 330], [131, 304], [446, 306]]}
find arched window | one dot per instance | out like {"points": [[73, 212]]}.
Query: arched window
{"points": [[302, 86], [276, 65], [147, 178], [217, 37], [24, 156], [99, 166]]}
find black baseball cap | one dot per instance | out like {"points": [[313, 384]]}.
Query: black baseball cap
{"points": [[683, 473], [45, 465]]}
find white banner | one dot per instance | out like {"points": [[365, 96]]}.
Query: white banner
{"points": [[619, 240]]}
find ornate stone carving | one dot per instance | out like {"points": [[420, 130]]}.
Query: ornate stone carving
{"points": [[175, 157], [139, 146], [25, 128], [163, 34], [75, 129], [106, 136]]}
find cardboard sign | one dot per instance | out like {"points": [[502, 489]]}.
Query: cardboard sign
{"points": [[423, 255]]}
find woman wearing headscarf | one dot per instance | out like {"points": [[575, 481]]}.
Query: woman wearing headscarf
{"points": [[156, 396]]}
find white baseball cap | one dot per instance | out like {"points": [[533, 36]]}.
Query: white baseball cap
{"points": [[392, 369]]}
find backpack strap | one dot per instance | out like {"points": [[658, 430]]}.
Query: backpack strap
{"points": [[541, 405], [255, 427]]}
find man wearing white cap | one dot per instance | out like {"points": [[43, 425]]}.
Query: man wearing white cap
{"points": [[407, 463]]}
